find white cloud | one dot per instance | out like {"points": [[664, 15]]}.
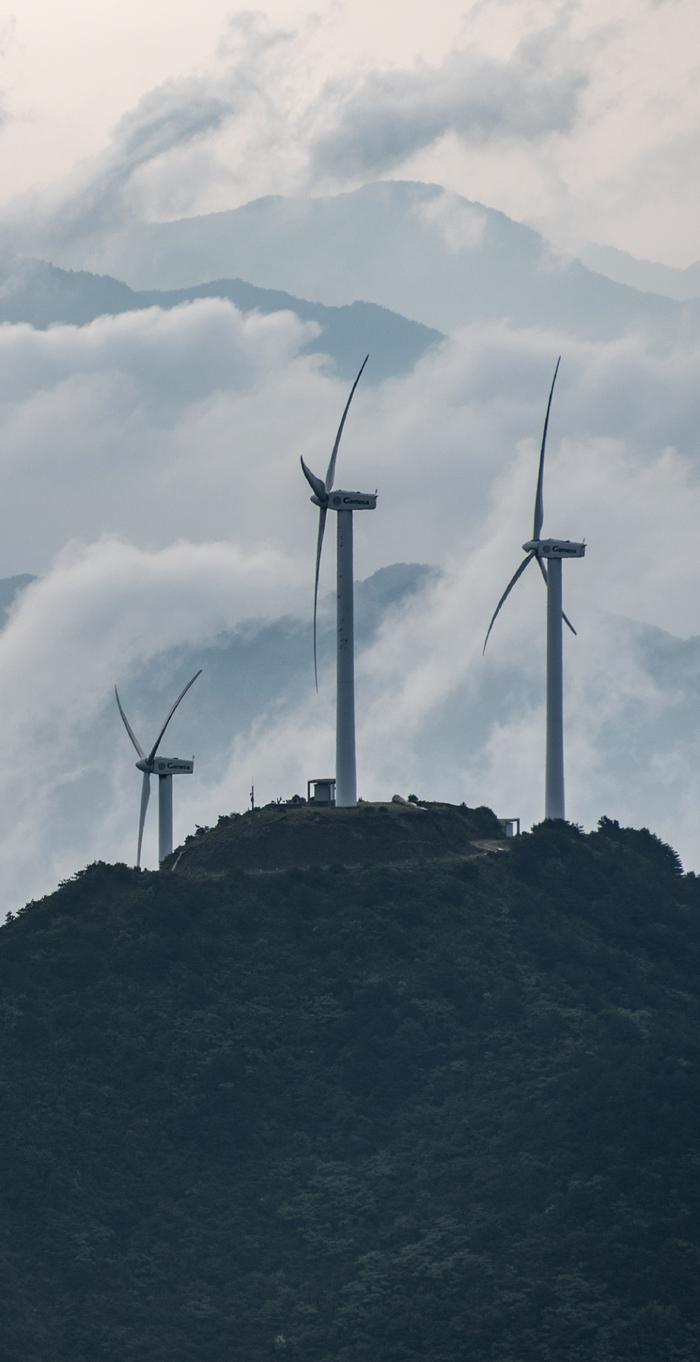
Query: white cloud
{"points": [[373, 123], [581, 122], [164, 147], [147, 424], [462, 224], [100, 614]]}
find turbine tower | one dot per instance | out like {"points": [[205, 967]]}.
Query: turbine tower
{"points": [[344, 504], [165, 768], [554, 551]]}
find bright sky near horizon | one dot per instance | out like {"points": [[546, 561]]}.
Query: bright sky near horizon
{"points": [[619, 166]]}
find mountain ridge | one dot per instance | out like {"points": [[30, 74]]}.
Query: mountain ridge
{"points": [[682, 284], [438, 1110], [42, 295], [415, 248]]}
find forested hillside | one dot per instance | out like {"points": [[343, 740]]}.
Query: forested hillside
{"points": [[430, 1112]]}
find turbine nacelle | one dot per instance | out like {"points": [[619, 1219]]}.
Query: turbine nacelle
{"points": [[351, 501], [555, 548], [338, 500], [167, 766]]}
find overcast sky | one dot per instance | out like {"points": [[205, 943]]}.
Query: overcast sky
{"points": [[580, 116]]}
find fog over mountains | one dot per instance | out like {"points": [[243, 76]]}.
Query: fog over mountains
{"points": [[255, 694], [414, 248], [151, 431], [45, 295]]}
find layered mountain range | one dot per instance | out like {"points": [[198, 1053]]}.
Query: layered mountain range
{"points": [[431, 263], [42, 295], [413, 249]]}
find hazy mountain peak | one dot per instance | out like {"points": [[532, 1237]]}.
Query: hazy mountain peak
{"points": [[415, 248]]}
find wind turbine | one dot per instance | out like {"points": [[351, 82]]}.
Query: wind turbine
{"points": [[165, 768], [554, 550], [343, 503]]}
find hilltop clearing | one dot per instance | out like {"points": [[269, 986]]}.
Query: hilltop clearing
{"points": [[280, 836]]}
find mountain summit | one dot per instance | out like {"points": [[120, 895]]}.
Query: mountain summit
{"points": [[418, 249], [441, 1109]]}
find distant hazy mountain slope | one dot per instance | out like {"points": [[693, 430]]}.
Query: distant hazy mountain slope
{"points": [[347, 332], [10, 588], [42, 294], [648, 275], [268, 667], [414, 248]]}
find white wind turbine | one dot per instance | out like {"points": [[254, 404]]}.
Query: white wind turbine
{"points": [[343, 503], [554, 550], [165, 768]]}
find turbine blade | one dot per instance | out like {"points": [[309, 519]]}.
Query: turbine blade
{"points": [[318, 487], [145, 796], [183, 692], [128, 728], [506, 593], [330, 475], [564, 615], [539, 497], [319, 545]]}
